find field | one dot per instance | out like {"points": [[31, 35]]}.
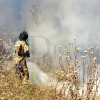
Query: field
{"points": [[71, 80]]}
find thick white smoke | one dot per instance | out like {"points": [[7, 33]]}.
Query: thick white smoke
{"points": [[59, 22], [37, 75]]}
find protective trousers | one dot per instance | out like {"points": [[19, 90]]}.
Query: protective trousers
{"points": [[25, 69]]}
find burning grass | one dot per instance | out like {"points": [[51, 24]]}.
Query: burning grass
{"points": [[11, 88], [75, 80], [82, 78]]}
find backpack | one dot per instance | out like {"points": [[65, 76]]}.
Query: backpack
{"points": [[22, 52]]}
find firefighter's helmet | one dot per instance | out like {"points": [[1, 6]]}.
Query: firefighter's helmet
{"points": [[23, 36]]}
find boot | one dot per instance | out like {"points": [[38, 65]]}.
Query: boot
{"points": [[24, 81]]}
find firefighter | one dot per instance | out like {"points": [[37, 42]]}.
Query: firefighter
{"points": [[21, 53]]}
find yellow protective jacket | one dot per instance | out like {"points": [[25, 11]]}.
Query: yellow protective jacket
{"points": [[21, 52]]}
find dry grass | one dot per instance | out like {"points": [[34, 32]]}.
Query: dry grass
{"points": [[78, 81], [11, 88], [82, 79]]}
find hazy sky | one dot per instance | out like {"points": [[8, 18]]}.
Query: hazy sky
{"points": [[58, 21]]}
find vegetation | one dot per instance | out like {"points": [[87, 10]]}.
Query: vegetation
{"points": [[75, 79]]}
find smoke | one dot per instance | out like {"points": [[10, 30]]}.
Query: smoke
{"points": [[75, 17], [58, 21], [37, 75], [61, 20]]}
